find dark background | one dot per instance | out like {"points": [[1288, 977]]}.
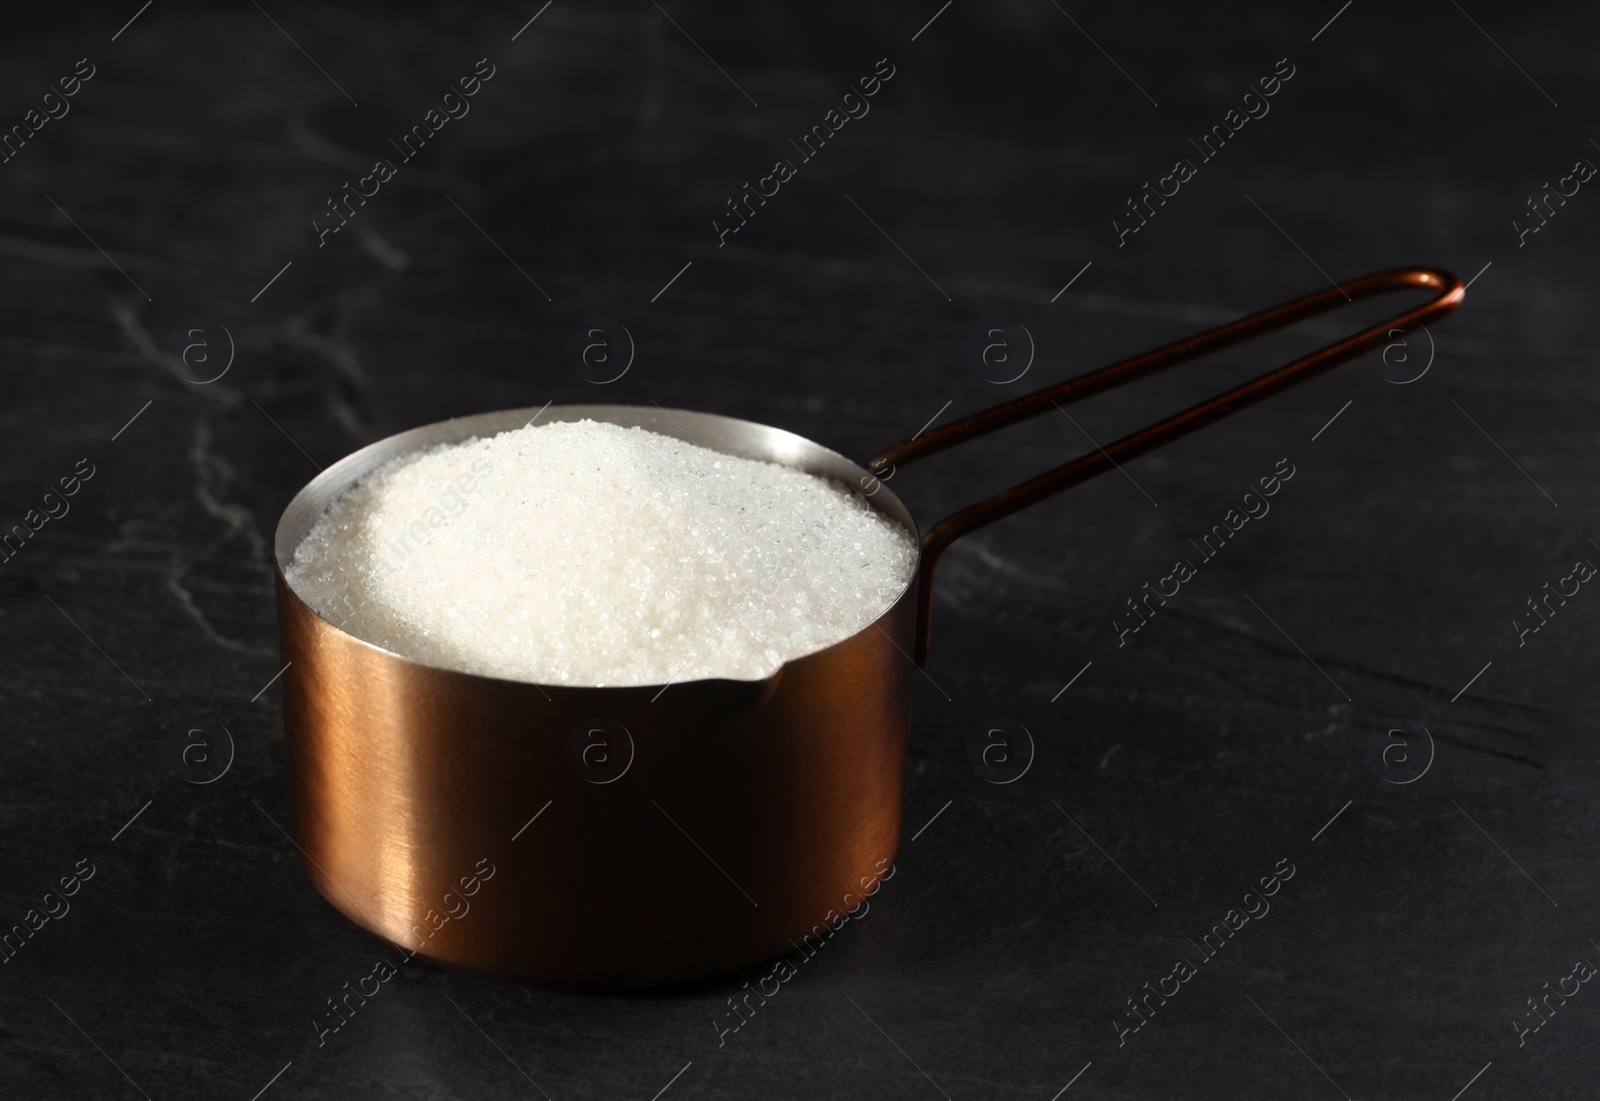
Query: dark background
{"points": [[1417, 924]]}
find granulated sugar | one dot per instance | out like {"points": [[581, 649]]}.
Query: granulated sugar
{"points": [[583, 553]]}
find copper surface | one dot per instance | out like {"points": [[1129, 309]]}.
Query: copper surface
{"points": [[444, 811]]}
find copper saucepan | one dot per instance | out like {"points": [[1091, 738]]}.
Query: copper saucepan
{"points": [[458, 816]]}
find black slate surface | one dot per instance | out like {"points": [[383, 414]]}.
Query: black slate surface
{"points": [[1247, 724]]}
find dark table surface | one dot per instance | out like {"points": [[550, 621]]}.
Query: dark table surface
{"points": [[1441, 873]]}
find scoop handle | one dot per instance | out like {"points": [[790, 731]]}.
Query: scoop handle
{"points": [[1450, 294]]}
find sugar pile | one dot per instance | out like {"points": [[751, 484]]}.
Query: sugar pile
{"points": [[583, 553]]}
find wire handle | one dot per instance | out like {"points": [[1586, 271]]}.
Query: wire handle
{"points": [[1451, 293]]}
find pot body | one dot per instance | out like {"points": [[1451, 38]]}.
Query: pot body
{"points": [[593, 837]]}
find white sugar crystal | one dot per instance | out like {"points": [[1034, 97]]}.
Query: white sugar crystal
{"points": [[583, 553]]}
